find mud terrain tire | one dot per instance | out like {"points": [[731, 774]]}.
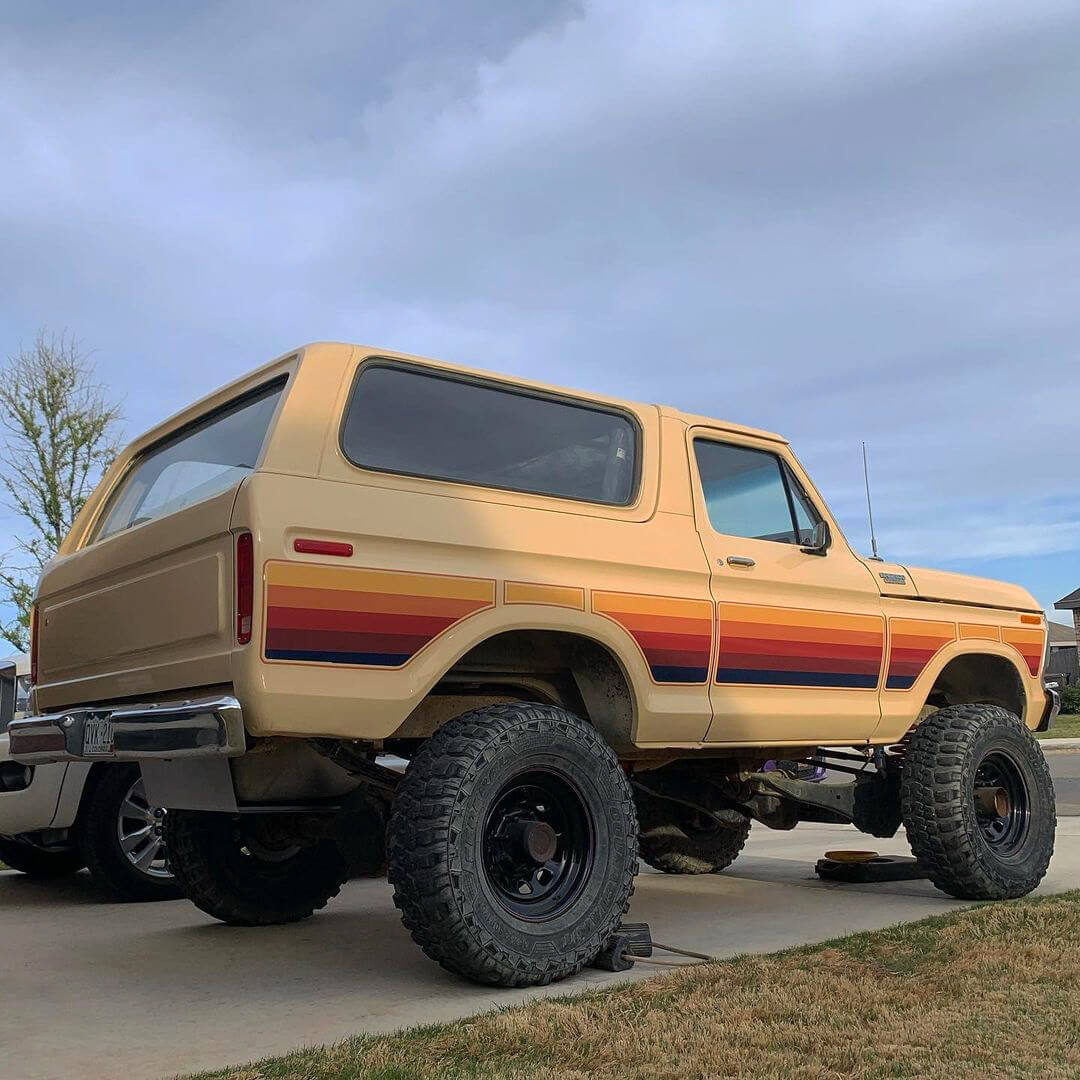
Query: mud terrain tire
{"points": [[671, 839], [220, 871], [968, 853], [513, 845]]}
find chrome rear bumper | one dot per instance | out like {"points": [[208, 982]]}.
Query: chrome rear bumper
{"points": [[202, 727], [1053, 707]]}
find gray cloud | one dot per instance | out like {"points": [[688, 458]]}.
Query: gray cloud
{"points": [[845, 222]]}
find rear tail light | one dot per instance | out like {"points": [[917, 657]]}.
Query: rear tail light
{"points": [[33, 645], [245, 587]]}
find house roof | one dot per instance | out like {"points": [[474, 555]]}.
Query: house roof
{"points": [[1060, 634], [1070, 602]]}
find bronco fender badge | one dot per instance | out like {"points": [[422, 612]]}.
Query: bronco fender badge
{"points": [[893, 579]]}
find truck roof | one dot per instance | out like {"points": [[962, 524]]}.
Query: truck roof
{"points": [[690, 419], [222, 393]]}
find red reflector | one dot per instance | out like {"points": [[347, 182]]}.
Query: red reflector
{"points": [[322, 547], [1031, 620], [34, 645], [245, 587]]}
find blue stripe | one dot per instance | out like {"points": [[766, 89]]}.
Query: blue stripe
{"points": [[899, 682], [767, 677], [665, 673], [317, 656]]}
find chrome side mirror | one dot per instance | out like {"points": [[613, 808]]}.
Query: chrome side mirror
{"points": [[819, 541]]}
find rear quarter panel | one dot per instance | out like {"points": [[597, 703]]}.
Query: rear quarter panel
{"points": [[520, 561]]}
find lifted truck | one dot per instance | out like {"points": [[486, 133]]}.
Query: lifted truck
{"points": [[587, 624]]}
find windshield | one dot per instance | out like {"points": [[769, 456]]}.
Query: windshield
{"points": [[202, 460]]}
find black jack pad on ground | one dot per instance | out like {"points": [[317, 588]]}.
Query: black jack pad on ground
{"points": [[867, 871], [630, 940]]}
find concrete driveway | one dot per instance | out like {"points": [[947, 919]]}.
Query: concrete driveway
{"points": [[146, 991]]}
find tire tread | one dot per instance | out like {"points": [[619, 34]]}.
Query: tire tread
{"points": [[421, 866], [933, 803]]}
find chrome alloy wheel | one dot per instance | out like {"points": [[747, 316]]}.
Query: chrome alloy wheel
{"points": [[140, 830]]}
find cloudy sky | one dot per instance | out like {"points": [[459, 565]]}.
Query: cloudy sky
{"points": [[839, 220]]}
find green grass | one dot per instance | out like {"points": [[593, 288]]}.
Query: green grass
{"points": [[1065, 727], [989, 991]]}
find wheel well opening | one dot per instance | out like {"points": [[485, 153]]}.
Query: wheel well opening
{"points": [[549, 666], [979, 678]]}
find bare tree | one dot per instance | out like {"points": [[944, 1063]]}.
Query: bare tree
{"points": [[60, 437]]}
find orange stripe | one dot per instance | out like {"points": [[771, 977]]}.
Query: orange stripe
{"points": [[730, 628], [611, 603], [664, 624], [923, 628], [524, 592], [979, 630], [401, 582], [778, 616], [391, 603]]}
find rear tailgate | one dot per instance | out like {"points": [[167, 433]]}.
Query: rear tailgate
{"points": [[145, 611]]}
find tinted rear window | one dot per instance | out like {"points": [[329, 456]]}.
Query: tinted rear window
{"points": [[405, 421], [201, 460]]}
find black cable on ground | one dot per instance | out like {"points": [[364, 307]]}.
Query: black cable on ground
{"points": [[669, 963], [683, 952]]}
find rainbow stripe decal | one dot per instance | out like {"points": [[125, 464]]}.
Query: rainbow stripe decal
{"points": [[1030, 644], [675, 635], [913, 643], [525, 592], [373, 618], [774, 646]]}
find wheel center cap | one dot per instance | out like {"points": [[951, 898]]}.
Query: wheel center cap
{"points": [[540, 841]]}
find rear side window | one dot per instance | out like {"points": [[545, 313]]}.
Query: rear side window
{"points": [[748, 493], [401, 420], [201, 460]]}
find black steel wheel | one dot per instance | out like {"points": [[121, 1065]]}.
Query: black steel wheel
{"points": [[978, 803], [1002, 803], [538, 845], [513, 845]]}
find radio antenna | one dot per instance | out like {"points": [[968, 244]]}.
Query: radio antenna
{"points": [[869, 507]]}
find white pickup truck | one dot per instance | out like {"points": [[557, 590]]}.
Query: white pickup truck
{"points": [[55, 819]]}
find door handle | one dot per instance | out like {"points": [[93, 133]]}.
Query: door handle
{"points": [[739, 560]]}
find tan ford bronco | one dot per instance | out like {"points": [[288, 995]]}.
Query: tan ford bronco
{"points": [[587, 624]]}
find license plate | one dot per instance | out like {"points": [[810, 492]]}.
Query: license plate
{"points": [[98, 736]]}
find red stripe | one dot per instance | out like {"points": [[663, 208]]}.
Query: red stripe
{"points": [[920, 656], [371, 622], [906, 667], [654, 639], [828, 665], [338, 641], [677, 658], [767, 647]]}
